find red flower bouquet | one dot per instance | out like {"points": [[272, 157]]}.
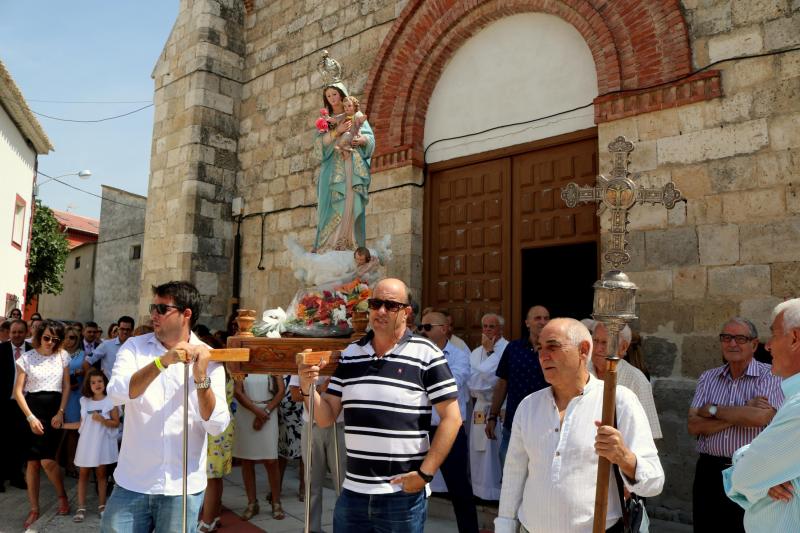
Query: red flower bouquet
{"points": [[326, 311]]}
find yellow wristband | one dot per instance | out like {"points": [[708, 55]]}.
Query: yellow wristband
{"points": [[159, 366], [334, 134]]}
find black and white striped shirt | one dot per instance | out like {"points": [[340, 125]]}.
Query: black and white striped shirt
{"points": [[387, 408]]}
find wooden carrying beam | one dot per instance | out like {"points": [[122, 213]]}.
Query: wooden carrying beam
{"points": [[279, 356]]}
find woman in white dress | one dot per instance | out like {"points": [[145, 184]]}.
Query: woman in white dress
{"points": [[257, 437]]}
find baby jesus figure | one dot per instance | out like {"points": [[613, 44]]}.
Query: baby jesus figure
{"points": [[357, 118], [366, 265]]}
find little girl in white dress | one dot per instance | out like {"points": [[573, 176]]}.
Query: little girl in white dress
{"points": [[97, 444]]}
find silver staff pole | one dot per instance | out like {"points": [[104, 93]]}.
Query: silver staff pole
{"points": [[309, 444], [336, 466], [185, 440]]}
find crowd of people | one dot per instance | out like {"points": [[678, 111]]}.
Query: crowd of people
{"points": [[409, 410]]}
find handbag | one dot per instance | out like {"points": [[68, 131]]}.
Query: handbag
{"points": [[633, 511]]}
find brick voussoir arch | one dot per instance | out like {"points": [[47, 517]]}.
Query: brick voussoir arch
{"points": [[634, 43]]}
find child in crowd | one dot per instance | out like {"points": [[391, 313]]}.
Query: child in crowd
{"points": [[97, 445]]}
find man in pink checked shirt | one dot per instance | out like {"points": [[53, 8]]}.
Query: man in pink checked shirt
{"points": [[732, 404]]}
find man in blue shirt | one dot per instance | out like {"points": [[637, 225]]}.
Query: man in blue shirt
{"points": [[106, 353], [519, 374], [765, 476]]}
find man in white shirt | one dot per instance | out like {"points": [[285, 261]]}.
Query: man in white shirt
{"points": [[550, 471], [484, 456], [627, 374], [106, 353], [455, 468], [148, 381]]}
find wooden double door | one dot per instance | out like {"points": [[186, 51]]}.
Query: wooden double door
{"points": [[498, 237]]}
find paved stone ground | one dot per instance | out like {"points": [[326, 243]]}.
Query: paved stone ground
{"points": [[14, 509]]}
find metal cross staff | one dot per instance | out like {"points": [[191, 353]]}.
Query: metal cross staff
{"points": [[614, 293]]}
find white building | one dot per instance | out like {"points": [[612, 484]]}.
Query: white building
{"points": [[22, 140]]}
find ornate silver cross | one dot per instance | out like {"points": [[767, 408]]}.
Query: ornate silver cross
{"points": [[619, 194]]}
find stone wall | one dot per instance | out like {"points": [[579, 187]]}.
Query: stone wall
{"points": [[118, 272], [193, 165], [734, 247]]}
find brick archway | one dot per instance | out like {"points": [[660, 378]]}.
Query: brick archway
{"points": [[635, 44]]}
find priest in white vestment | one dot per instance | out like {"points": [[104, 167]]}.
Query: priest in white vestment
{"points": [[484, 457]]}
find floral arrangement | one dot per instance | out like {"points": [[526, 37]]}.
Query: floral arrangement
{"points": [[322, 311], [322, 124]]}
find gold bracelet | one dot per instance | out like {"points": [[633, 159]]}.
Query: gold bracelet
{"points": [[159, 365]]}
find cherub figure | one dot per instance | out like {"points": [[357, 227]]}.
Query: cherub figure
{"points": [[366, 265], [357, 118]]}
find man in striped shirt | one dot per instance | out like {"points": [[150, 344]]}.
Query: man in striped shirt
{"points": [[765, 476], [732, 404], [388, 383]]}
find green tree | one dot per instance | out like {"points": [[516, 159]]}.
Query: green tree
{"points": [[49, 249]]}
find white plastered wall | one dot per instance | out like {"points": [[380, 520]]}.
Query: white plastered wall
{"points": [[17, 161], [516, 69]]}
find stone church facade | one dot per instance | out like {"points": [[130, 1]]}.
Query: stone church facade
{"points": [[465, 178]]}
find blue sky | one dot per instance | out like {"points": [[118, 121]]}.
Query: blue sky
{"points": [[88, 50]]}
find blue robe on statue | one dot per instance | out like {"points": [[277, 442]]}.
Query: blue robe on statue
{"points": [[343, 193]]}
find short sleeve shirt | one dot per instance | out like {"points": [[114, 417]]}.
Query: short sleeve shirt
{"points": [[43, 373], [520, 367]]}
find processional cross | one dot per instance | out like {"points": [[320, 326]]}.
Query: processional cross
{"points": [[614, 293]]}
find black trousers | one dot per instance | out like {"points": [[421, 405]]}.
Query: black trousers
{"points": [[455, 471], [713, 510], [14, 446]]}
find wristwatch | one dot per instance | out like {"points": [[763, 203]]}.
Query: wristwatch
{"points": [[427, 478], [713, 410], [205, 384]]}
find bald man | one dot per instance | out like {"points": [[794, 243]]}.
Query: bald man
{"points": [[388, 383], [519, 374]]}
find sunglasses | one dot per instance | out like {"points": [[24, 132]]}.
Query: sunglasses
{"points": [[427, 327], [162, 309], [48, 338], [740, 339], [375, 304], [71, 337]]}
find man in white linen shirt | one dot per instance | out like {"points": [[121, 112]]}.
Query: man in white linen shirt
{"points": [[551, 468], [149, 382], [484, 456], [627, 374]]}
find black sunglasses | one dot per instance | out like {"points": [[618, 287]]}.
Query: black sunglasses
{"points": [[48, 338], [376, 303], [163, 309], [740, 339], [427, 327]]}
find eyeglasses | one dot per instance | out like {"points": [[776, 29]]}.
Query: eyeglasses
{"points": [[71, 337], [375, 304], [162, 309], [427, 327], [740, 339], [48, 338]]}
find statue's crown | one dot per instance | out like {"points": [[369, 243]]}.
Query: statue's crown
{"points": [[329, 69]]}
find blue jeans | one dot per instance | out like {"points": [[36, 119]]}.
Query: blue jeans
{"points": [[398, 512], [504, 440], [134, 512]]}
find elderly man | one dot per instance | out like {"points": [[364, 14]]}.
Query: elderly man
{"points": [[484, 458], [106, 353], [627, 374], [455, 468], [148, 380], [551, 467], [519, 374], [765, 476], [732, 404], [386, 383]]}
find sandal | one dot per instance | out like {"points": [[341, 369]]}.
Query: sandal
{"points": [[277, 511], [33, 516], [250, 511], [101, 509], [63, 506], [202, 527], [80, 516]]}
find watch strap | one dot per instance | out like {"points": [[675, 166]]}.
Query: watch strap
{"points": [[427, 478]]}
